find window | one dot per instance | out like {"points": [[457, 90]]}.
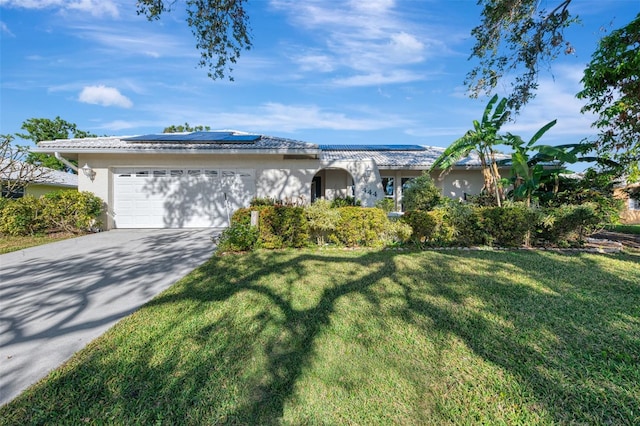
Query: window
{"points": [[177, 172], [159, 173], [193, 172], [634, 203], [405, 182], [211, 173], [387, 186], [13, 192]]}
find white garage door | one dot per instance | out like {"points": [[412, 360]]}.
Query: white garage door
{"points": [[179, 198]]}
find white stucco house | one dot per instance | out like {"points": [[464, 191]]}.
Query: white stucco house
{"points": [[188, 180]]}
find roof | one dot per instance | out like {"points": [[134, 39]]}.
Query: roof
{"points": [[233, 141], [47, 177], [218, 141], [393, 156]]}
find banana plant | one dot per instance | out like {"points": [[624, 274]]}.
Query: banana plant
{"points": [[481, 140], [529, 170]]}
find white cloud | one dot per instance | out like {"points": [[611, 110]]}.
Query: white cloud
{"points": [[93, 7], [4, 29], [374, 79], [105, 96], [281, 118], [361, 36], [321, 63]]}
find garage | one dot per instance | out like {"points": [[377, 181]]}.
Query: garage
{"points": [[164, 197]]}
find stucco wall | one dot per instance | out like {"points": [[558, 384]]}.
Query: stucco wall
{"points": [[275, 177], [38, 190]]}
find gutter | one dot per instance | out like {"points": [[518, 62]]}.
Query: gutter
{"points": [[65, 161]]}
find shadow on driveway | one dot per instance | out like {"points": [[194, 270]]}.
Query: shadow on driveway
{"points": [[56, 298]]}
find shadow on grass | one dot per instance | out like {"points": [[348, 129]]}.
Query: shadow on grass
{"points": [[231, 343]]}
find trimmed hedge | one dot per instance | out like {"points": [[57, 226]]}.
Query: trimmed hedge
{"points": [[455, 224], [65, 210], [507, 226], [360, 226], [279, 226]]}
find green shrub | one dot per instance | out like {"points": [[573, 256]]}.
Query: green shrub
{"points": [[421, 193], [507, 226], [396, 232], [264, 201], [238, 237], [23, 216], [430, 227], [360, 226], [345, 202], [387, 205], [567, 223], [279, 226], [465, 221], [322, 219], [71, 211]]}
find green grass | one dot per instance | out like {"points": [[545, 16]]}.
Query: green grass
{"points": [[364, 337], [625, 229], [10, 243]]}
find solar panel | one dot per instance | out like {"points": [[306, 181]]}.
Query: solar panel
{"points": [[372, 148], [202, 137]]}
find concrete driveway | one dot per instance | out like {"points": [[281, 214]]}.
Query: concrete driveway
{"points": [[56, 298]]}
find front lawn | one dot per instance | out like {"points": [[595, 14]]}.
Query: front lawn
{"points": [[14, 243], [625, 229], [366, 337]]}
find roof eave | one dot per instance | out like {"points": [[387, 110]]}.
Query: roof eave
{"points": [[272, 151]]}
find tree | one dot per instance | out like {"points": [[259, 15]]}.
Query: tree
{"points": [[481, 140], [527, 171], [421, 193], [612, 90], [44, 129], [220, 27], [185, 128], [517, 36], [15, 172]]}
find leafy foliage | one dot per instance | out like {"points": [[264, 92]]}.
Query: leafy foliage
{"points": [[421, 193], [507, 226], [570, 222], [65, 210], [360, 226], [279, 226], [480, 140], [180, 128], [429, 227], [23, 216], [72, 211], [220, 27], [612, 90], [347, 201], [45, 129], [520, 37], [322, 219], [238, 237]]}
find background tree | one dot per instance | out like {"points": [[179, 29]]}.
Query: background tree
{"points": [[15, 172], [185, 128], [612, 90], [517, 36], [220, 27], [481, 140], [44, 129]]}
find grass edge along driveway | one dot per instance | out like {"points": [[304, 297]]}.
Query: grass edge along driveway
{"points": [[366, 337]]}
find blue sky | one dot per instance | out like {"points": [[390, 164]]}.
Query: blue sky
{"points": [[322, 71]]}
